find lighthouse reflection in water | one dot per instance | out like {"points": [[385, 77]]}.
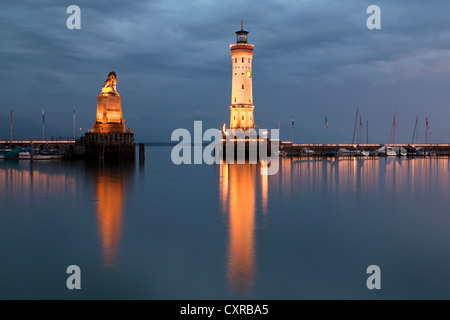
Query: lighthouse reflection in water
{"points": [[239, 195]]}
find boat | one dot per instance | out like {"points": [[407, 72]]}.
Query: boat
{"points": [[385, 151], [365, 153], [421, 152], [307, 152], [402, 152], [342, 152], [3, 153], [24, 155], [50, 154], [57, 154], [13, 154], [390, 151], [282, 153], [411, 151]]}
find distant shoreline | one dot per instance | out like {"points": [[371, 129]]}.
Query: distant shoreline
{"points": [[168, 144]]}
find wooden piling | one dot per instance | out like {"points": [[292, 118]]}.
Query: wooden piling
{"points": [[141, 152]]}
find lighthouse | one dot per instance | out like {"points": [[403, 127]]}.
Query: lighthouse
{"points": [[241, 91]]}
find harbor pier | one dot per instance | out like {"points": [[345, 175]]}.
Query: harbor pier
{"points": [[308, 149], [63, 145]]}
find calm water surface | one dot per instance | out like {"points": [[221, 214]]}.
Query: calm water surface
{"points": [[161, 231]]}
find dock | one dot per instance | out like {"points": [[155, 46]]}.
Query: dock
{"points": [[301, 149], [61, 144]]}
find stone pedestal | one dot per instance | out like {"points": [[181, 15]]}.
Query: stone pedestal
{"points": [[109, 146], [109, 117], [109, 128]]}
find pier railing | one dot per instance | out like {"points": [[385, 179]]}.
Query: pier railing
{"points": [[68, 141]]}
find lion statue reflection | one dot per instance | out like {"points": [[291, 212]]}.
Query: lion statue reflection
{"points": [[109, 88]]}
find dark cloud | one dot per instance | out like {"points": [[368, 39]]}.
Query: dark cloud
{"points": [[312, 58]]}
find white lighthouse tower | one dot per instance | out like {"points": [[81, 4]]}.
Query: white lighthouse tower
{"points": [[241, 92]]}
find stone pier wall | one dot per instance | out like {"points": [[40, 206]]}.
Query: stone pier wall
{"points": [[106, 146]]}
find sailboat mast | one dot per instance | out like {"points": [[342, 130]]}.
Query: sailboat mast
{"points": [[415, 130], [394, 125], [292, 130], [360, 130], [367, 131], [279, 135], [354, 128]]}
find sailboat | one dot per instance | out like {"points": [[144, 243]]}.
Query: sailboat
{"points": [[351, 153], [388, 150], [402, 152], [342, 152], [358, 138], [365, 153], [13, 154]]}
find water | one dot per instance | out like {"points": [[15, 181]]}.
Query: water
{"points": [[162, 231]]}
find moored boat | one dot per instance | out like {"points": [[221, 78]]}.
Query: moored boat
{"points": [[47, 154], [24, 155], [365, 153], [342, 152], [13, 154], [307, 152], [386, 151], [401, 152], [3, 153], [282, 153]]}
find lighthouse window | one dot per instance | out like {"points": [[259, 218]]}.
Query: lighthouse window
{"points": [[248, 60], [242, 86], [234, 118], [241, 38], [242, 60], [242, 117], [235, 60], [234, 99]]}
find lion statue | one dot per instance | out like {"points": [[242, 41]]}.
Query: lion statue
{"points": [[109, 88]]}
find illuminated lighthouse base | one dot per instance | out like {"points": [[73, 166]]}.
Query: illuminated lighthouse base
{"points": [[242, 117]]}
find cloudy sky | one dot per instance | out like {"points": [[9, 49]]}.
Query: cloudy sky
{"points": [[313, 59]]}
